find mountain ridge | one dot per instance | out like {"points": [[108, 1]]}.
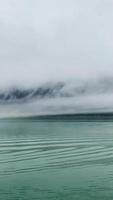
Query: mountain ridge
{"points": [[54, 90]]}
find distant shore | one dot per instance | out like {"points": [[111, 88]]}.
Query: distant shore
{"points": [[68, 117]]}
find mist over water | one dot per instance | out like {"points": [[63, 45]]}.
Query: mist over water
{"points": [[85, 96]]}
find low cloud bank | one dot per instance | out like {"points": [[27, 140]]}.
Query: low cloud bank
{"points": [[59, 98]]}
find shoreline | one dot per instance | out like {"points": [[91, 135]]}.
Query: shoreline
{"points": [[103, 116]]}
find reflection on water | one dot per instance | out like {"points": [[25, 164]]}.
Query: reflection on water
{"points": [[56, 160]]}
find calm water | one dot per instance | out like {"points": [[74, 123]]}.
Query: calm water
{"points": [[56, 160]]}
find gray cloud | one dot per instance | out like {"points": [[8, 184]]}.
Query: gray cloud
{"points": [[55, 40]]}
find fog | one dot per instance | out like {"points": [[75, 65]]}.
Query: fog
{"points": [[56, 41]]}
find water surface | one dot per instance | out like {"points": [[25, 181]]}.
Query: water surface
{"points": [[62, 160]]}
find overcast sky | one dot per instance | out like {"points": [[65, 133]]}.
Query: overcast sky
{"points": [[56, 40], [44, 40]]}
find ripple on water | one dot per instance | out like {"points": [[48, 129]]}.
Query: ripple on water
{"points": [[20, 155]]}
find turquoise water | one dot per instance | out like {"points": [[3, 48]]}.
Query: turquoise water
{"points": [[58, 160]]}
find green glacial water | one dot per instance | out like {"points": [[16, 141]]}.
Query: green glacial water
{"points": [[56, 160]]}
